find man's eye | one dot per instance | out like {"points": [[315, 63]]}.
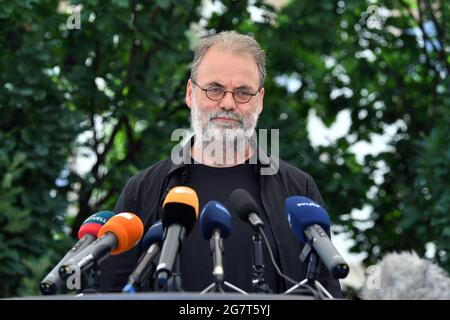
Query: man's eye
{"points": [[215, 90], [243, 93]]}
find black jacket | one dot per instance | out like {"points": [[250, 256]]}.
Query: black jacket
{"points": [[144, 193]]}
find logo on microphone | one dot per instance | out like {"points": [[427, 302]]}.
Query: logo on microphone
{"points": [[308, 204], [97, 219]]}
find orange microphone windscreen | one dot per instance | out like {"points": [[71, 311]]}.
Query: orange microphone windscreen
{"points": [[127, 227]]}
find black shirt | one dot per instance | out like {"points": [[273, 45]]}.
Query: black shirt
{"points": [[217, 184]]}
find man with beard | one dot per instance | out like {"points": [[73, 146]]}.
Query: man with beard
{"points": [[225, 94]]}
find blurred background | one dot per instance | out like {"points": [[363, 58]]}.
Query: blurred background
{"points": [[90, 92]]}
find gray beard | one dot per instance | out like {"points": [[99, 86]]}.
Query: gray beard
{"points": [[228, 134]]}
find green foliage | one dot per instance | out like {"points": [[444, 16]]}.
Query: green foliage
{"points": [[385, 76], [114, 90], [36, 133]]}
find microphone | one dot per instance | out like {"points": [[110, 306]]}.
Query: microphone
{"points": [[308, 221], [87, 234], [244, 206], [405, 276], [151, 244], [119, 234], [215, 224], [180, 211]]}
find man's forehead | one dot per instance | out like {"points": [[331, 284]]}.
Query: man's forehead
{"points": [[222, 66]]}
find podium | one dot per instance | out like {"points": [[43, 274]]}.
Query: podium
{"points": [[168, 296]]}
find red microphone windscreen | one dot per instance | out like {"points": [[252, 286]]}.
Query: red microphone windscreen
{"points": [[93, 223]]}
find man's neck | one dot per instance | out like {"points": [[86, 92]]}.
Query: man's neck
{"points": [[221, 155]]}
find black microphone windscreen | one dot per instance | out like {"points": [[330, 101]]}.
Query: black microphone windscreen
{"points": [[241, 203]]}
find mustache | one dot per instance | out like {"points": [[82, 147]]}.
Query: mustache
{"points": [[225, 114]]}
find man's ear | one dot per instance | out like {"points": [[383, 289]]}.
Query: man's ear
{"points": [[261, 104], [189, 93]]}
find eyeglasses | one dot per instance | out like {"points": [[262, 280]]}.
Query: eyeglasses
{"points": [[216, 93]]}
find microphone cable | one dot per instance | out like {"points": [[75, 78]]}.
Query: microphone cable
{"points": [[306, 289]]}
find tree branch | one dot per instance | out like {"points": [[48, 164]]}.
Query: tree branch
{"points": [[421, 26], [440, 37], [87, 188], [102, 201], [441, 34], [101, 157], [425, 38]]}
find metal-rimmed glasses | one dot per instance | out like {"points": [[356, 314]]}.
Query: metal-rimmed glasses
{"points": [[216, 93]]}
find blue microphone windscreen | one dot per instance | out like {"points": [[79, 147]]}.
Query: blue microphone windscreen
{"points": [[154, 234], [302, 213], [215, 215]]}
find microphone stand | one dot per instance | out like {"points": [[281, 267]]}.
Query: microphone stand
{"points": [[91, 280], [311, 272], [258, 281], [174, 282], [216, 245], [177, 281], [141, 278]]}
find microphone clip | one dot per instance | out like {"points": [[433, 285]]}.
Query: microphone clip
{"points": [[258, 281], [91, 279], [312, 270]]}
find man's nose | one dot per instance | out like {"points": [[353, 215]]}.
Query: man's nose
{"points": [[227, 101]]}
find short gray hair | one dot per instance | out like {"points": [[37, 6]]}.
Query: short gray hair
{"points": [[236, 43]]}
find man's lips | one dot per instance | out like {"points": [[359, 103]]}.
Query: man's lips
{"points": [[224, 119]]}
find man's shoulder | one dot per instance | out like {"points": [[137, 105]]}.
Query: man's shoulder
{"points": [[299, 182], [154, 172], [292, 172]]}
